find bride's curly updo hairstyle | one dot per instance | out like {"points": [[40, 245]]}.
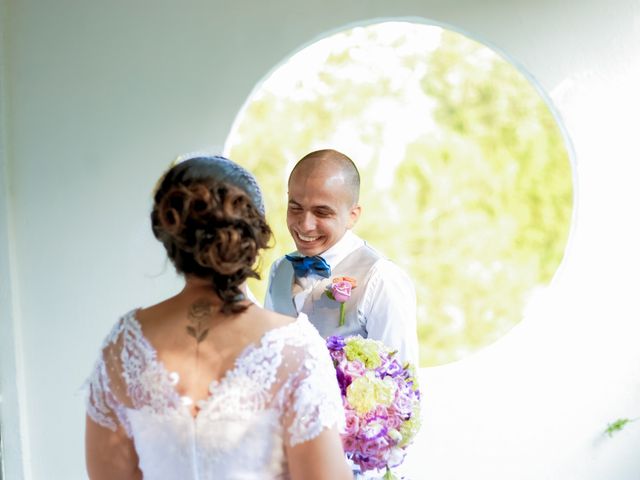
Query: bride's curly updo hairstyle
{"points": [[208, 212]]}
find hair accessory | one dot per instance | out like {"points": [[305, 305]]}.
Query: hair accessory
{"points": [[227, 171]]}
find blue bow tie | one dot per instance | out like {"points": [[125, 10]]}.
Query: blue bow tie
{"points": [[303, 265]]}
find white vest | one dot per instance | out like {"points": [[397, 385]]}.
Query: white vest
{"points": [[323, 312]]}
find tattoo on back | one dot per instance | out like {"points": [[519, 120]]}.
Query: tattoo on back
{"points": [[199, 315]]}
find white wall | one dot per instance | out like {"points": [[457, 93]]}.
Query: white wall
{"points": [[100, 96], [13, 419]]}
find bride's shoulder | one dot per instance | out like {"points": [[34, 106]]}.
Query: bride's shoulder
{"points": [[126, 323], [307, 330], [291, 327], [303, 338]]}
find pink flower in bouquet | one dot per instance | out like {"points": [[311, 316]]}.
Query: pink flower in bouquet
{"points": [[352, 422], [354, 368], [349, 443], [394, 421], [380, 412], [337, 355], [375, 447]]}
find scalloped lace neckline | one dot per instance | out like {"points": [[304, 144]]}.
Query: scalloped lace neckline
{"points": [[261, 343]]}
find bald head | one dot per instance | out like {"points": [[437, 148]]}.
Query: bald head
{"points": [[323, 201], [329, 163]]}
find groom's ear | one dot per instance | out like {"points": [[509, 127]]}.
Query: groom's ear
{"points": [[354, 214]]}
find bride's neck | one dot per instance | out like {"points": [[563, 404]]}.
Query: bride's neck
{"points": [[195, 286]]}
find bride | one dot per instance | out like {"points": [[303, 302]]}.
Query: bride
{"points": [[207, 385]]}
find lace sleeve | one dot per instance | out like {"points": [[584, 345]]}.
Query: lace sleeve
{"points": [[314, 401], [102, 387]]}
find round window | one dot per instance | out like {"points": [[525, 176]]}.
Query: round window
{"points": [[466, 179]]}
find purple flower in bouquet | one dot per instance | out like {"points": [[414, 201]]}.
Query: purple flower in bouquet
{"points": [[343, 381], [335, 342], [390, 367], [381, 400]]}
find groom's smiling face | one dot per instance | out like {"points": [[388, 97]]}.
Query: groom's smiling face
{"points": [[321, 209]]}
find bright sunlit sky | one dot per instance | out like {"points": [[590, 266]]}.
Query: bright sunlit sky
{"points": [[299, 78]]}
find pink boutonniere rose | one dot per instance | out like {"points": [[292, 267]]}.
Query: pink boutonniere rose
{"points": [[340, 291]]}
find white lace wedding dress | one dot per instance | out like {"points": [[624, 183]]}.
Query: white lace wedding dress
{"points": [[280, 391]]}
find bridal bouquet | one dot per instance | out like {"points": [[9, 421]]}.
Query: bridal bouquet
{"points": [[381, 401]]}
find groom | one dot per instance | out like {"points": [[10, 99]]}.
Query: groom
{"points": [[323, 207]]}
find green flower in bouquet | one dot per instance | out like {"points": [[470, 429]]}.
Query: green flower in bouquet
{"points": [[368, 352], [367, 392]]}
